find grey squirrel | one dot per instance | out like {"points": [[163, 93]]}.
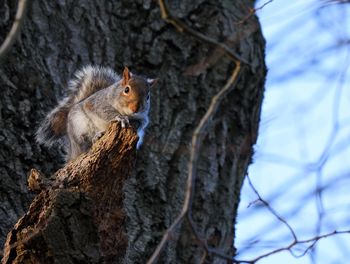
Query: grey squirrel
{"points": [[97, 95]]}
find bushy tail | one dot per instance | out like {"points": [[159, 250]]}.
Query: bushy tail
{"points": [[86, 81], [53, 127]]}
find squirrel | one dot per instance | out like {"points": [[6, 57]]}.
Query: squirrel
{"points": [[97, 95]]}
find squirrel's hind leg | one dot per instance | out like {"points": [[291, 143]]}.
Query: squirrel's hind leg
{"points": [[97, 136], [74, 149], [78, 133]]}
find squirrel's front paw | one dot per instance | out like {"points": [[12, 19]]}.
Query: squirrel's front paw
{"points": [[124, 120], [97, 136]]}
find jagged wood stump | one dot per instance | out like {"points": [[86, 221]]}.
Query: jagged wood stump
{"points": [[78, 216]]}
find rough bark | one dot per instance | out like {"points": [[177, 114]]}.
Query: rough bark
{"points": [[60, 36], [79, 217]]}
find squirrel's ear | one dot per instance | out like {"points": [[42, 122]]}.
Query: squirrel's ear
{"points": [[126, 76], [152, 82]]}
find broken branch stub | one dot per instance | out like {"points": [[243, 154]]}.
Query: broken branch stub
{"points": [[80, 217]]}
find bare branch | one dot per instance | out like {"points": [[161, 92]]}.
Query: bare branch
{"points": [[192, 166], [295, 241], [197, 136], [166, 237], [313, 242], [203, 242], [182, 27], [271, 209], [15, 29], [203, 258], [252, 11], [337, 2]]}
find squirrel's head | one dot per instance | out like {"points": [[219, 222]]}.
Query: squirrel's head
{"points": [[135, 92]]}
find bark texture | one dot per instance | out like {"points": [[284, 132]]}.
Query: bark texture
{"points": [[58, 37], [79, 217]]}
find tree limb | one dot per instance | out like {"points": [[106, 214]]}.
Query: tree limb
{"points": [[15, 29], [80, 217]]}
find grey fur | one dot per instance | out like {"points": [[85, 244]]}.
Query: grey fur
{"points": [[45, 134], [94, 100]]}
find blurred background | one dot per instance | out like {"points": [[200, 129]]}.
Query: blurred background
{"points": [[301, 165]]}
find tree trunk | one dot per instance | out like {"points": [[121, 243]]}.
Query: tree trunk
{"points": [[58, 37]]}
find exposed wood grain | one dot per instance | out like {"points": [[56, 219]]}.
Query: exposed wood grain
{"points": [[80, 217]]}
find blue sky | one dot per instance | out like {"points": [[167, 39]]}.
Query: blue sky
{"points": [[302, 160]]}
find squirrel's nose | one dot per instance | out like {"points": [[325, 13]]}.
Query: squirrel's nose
{"points": [[134, 107]]}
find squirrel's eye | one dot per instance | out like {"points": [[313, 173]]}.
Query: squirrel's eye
{"points": [[127, 89], [147, 97]]}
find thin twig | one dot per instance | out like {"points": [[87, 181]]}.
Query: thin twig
{"points": [[15, 29], [182, 27], [252, 11], [313, 240], [197, 136], [204, 257], [263, 5], [192, 165], [166, 237], [271, 209], [209, 250], [218, 253]]}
